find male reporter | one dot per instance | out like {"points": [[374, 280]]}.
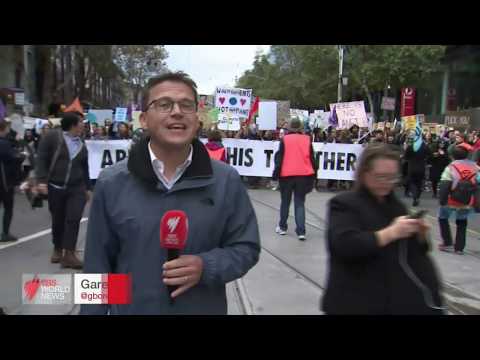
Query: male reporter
{"points": [[171, 170]]}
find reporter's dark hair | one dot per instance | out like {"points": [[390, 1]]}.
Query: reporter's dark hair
{"points": [[178, 76], [69, 120], [371, 153], [459, 153]]}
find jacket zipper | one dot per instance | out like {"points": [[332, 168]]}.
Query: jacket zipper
{"points": [[67, 178]]}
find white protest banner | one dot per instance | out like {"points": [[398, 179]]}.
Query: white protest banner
{"points": [[228, 122], [248, 157], [350, 113], [136, 119], [267, 115], [29, 122], [104, 153], [39, 124], [234, 101], [337, 161], [256, 158], [99, 116], [121, 114]]}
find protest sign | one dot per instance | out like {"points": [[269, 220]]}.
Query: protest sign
{"points": [[267, 115], [121, 114], [388, 103], [350, 113], [99, 116], [136, 119], [228, 122], [458, 119], [233, 101]]}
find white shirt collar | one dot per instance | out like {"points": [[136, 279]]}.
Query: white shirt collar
{"points": [[159, 167]]}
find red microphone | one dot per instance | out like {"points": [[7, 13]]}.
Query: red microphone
{"points": [[173, 235]]}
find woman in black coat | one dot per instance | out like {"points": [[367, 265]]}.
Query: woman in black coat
{"points": [[378, 257]]}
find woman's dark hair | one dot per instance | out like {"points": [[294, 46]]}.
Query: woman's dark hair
{"points": [[459, 153], [214, 135], [371, 153], [69, 120]]}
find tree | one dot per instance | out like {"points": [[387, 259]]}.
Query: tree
{"points": [[139, 62], [303, 74], [307, 75], [373, 67]]}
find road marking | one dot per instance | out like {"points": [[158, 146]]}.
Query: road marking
{"points": [[244, 299], [33, 236]]}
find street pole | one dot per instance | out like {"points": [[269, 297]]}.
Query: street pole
{"points": [[385, 94], [340, 72]]}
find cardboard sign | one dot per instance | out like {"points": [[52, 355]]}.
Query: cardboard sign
{"points": [[350, 113], [388, 103]]}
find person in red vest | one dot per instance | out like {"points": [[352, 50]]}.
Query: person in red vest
{"points": [[459, 194], [295, 169], [215, 147]]}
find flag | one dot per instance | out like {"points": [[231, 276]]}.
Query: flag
{"points": [[213, 114], [418, 139], [75, 106], [253, 111], [333, 120]]}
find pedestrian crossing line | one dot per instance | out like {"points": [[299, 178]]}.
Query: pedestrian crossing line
{"points": [[32, 237]]}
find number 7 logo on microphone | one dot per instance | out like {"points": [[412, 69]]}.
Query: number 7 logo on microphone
{"points": [[174, 229]]}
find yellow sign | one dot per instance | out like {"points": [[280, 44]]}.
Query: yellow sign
{"points": [[409, 122], [136, 120]]}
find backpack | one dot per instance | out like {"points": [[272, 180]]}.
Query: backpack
{"points": [[466, 186]]}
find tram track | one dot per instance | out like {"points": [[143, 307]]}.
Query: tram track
{"points": [[454, 307]]}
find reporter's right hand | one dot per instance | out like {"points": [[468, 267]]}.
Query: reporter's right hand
{"points": [[42, 189]]}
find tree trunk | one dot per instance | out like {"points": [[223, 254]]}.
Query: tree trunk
{"points": [[80, 56], [68, 75], [370, 100], [46, 75], [62, 71], [53, 89]]}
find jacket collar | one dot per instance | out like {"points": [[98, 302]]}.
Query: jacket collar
{"points": [[140, 165], [390, 198]]}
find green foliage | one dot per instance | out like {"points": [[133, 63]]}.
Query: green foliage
{"points": [[138, 61], [307, 75]]}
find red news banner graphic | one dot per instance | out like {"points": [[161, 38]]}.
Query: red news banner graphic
{"points": [[103, 289], [46, 289]]}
